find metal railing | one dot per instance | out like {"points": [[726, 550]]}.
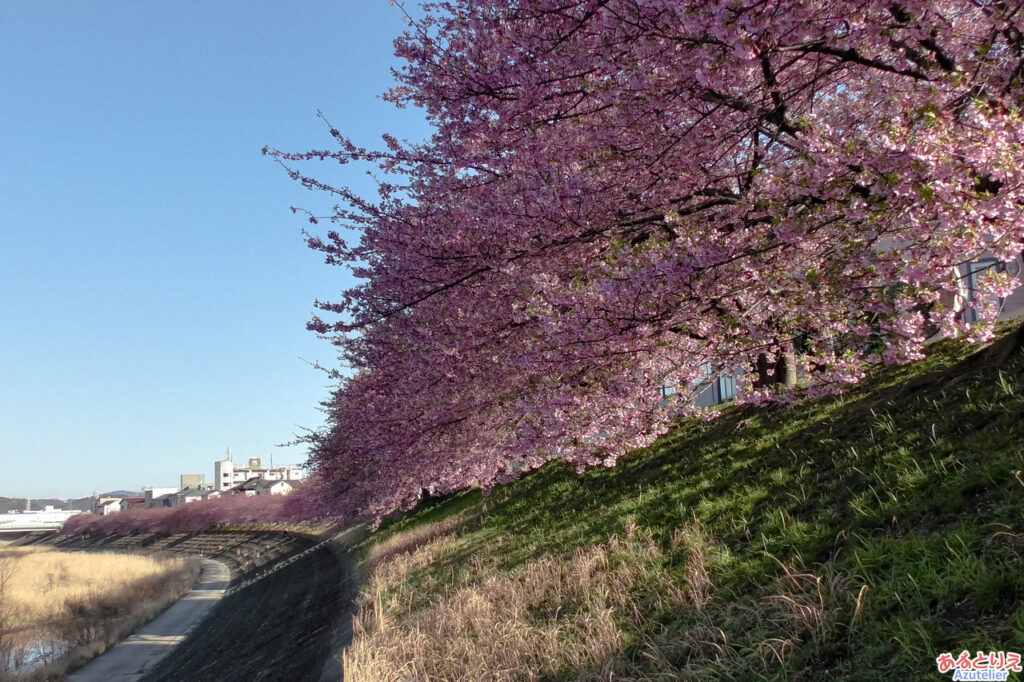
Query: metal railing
{"points": [[39, 525], [277, 567]]}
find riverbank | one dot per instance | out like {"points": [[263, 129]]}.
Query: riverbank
{"points": [[854, 538], [61, 608]]}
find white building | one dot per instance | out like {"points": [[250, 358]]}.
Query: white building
{"points": [[258, 487], [226, 475], [107, 505], [48, 519], [719, 387], [969, 273], [184, 496], [152, 494]]}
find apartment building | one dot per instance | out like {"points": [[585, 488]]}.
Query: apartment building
{"points": [[227, 475]]}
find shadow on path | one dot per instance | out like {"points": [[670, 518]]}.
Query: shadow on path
{"points": [[283, 627], [140, 652]]}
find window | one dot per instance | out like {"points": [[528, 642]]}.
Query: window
{"points": [[726, 388]]}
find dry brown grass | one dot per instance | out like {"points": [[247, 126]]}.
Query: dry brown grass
{"points": [[574, 616], [66, 606], [558, 613], [382, 553]]}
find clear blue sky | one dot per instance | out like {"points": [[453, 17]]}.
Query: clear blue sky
{"points": [[155, 285]]}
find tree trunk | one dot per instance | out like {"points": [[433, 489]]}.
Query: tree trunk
{"points": [[781, 373], [763, 378]]}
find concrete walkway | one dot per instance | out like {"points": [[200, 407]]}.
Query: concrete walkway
{"points": [[135, 656]]}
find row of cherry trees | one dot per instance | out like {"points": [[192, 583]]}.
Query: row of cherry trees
{"points": [[622, 195], [197, 516]]}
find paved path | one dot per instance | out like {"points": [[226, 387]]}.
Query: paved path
{"points": [[136, 655]]}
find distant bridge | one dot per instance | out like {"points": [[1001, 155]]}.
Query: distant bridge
{"points": [[27, 522], [28, 527]]}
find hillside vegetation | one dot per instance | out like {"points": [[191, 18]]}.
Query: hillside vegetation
{"points": [[849, 538]]}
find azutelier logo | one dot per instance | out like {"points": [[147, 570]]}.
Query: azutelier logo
{"points": [[994, 665]]}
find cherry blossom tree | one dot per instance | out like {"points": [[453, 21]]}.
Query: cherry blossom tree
{"points": [[624, 195], [201, 515]]}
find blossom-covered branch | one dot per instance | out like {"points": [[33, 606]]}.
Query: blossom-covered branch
{"points": [[623, 195]]}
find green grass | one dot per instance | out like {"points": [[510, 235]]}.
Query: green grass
{"points": [[909, 485]]}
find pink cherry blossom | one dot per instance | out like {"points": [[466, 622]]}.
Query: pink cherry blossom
{"points": [[619, 197]]}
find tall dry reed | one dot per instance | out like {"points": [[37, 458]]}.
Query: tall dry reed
{"points": [[592, 615], [558, 613], [63, 607]]}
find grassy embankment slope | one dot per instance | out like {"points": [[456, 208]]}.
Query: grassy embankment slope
{"points": [[845, 538]]}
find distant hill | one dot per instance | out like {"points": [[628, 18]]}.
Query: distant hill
{"points": [[17, 504], [13, 504], [121, 493]]}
